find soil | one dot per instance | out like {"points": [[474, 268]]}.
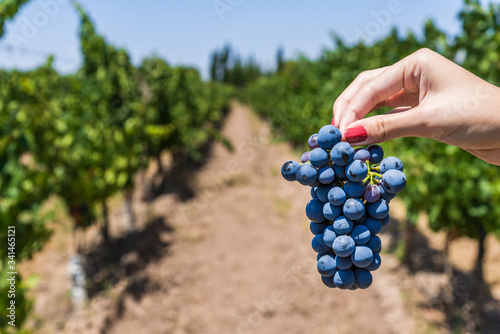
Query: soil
{"points": [[233, 258]]}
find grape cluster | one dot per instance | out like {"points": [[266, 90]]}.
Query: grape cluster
{"points": [[351, 190]]}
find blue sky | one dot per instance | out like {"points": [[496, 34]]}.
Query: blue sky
{"points": [[185, 32]]}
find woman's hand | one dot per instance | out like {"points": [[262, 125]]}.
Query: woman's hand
{"points": [[434, 98]]}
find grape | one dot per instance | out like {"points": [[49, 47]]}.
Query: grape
{"points": [[326, 175], [306, 174], [340, 172], [391, 163], [343, 225], [385, 220], [394, 181], [305, 157], [328, 281], [354, 189], [315, 183], [362, 278], [362, 256], [386, 195], [318, 245], [356, 171], [374, 225], [343, 279], [360, 234], [328, 136], [343, 263], [336, 196], [289, 169], [327, 266], [312, 142], [343, 245], [332, 212], [342, 153], [323, 254], [319, 157], [378, 209], [350, 191], [314, 210], [329, 236], [372, 193], [323, 192], [376, 153], [318, 228], [353, 208], [362, 154], [314, 192], [376, 262], [375, 244], [361, 220]]}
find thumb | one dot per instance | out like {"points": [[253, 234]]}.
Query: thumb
{"points": [[397, 123]]}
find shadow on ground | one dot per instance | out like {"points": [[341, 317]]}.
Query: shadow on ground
{"points": [[426, 259], [125, 257]]}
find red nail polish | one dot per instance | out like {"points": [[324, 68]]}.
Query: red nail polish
{"points": [[356, 134], [333, 121]]}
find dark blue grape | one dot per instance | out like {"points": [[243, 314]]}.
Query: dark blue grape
{"points": [[385, 220], [353, 208], [356, 171], [329, 236], [361, 154], [376, 262], [391, 163], [328, 281], [343, 279], [340, 172], [327, 266], [362, 256], [378, 209], [328, 136], [342, 154], [362, 278], [343, 263], [394, 181], [326, 175], [323, 192], [318, 228], [319, 157], [318, 245], [386, 195], [343, 225], [360, 234], [314, 191], [332, 212], [336, 196], [374, 225], [375, 244], [306, 174], [314, 210], [343, 245], [289, 170], [376, 153], [354, 189]]}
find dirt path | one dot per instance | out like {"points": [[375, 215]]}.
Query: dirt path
{"points": [[239, 259]]}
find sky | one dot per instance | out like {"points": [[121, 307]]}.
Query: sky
{"points": [[186, 32]]}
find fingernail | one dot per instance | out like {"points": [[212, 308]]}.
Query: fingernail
{"points": [[333, 121], [356, 134]]}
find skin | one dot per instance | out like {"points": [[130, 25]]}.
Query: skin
{"points": [[433, 98]]}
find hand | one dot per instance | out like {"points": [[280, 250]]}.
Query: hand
{"points": [[434, 98]]}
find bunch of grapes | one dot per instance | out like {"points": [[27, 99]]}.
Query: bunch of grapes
{"points": [[351, 190]]}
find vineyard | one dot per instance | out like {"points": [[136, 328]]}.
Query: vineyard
{"points": [[85, 138]]}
